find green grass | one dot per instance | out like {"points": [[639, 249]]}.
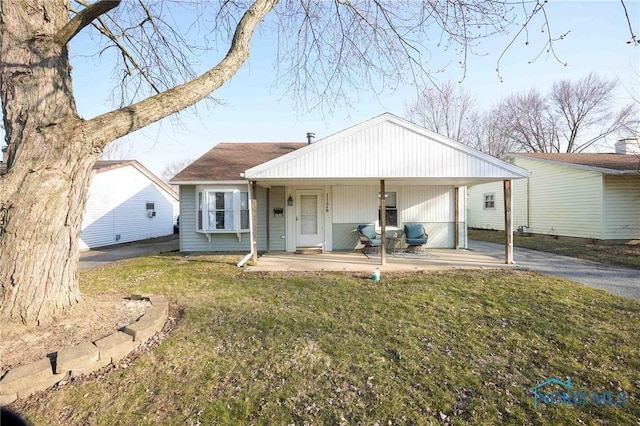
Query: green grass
{"points": [[620, 254], [460, 348]]}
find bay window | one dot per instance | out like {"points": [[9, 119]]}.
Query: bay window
{"points": [[222, 210]]}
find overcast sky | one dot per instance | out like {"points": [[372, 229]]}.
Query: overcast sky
{"points": [[257, 111]]}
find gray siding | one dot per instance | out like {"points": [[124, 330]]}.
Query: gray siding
{"points": [[344, 236], [622, 208], [192, 241], [262, 218], [277, 223]]}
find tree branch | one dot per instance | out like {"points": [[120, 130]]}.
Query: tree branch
{"points": [[84, 18], [633, 40], [115, 124], [104, 30]]}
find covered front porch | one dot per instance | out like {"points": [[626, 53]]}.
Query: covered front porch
{"points": [[335, 185], [429, 260]]}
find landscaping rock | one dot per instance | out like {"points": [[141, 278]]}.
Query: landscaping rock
{"points": [[27, 379], [78, 359], [115, 346]]}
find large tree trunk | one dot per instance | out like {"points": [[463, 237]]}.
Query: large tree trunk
{"points": [[52, 151], [42, 197]]}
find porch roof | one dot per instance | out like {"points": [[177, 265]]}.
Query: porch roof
{"points": [[385, 147]]}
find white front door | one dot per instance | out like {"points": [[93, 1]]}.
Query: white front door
{"points": [[309, 218]]}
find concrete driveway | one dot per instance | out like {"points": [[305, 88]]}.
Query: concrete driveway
{"points": [[614, 279], [104, 255]]}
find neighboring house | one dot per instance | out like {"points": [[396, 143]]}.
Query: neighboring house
{"points": [[126, 203], [595, 196], [3, 162], [314, 195]]}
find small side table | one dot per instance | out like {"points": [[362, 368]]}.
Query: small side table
{"points": [[393, 244]]}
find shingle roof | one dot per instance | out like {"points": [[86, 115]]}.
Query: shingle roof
{"points": [[626, 162], [226, 161]]}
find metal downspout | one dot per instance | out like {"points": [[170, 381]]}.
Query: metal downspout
{"points": [[250, 254]]}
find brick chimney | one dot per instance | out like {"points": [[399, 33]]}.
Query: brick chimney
{"points": [[628, 146]]}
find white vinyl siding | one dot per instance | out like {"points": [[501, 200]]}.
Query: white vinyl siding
{"points": [[483, 218], [563, 201], [430, 205], [116, 210], [384, 148], [355, 204], [426, 204], [622, 208], [490, 200]]}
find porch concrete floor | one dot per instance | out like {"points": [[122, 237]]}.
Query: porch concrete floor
{"points": [[440, 259]]}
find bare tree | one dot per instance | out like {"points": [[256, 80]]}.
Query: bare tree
{"points": [[585, 111], [574, 116], [173, 168], [490, 133], [120, 149], [326, 48], [527, 122], [445, 110]]}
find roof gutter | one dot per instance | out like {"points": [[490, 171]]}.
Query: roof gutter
{"points": [[251, 225]]}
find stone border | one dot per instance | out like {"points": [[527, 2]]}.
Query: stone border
{"points": [[22, 381]]}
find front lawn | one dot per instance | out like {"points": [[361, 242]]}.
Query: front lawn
{"points": [[619, 254], [336, 348]]}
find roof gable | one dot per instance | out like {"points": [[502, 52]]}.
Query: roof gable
{"points": [[386, 147], [227, 161], [103, 166]]}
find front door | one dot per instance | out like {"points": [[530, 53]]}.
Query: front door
{"points": [[309, 218]]}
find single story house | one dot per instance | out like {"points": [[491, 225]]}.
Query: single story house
{"points": [[126, 202], [250, 197], [586, 195]]}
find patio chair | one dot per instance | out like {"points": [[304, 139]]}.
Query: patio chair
{"points": [[369, 239], [415, 236]]}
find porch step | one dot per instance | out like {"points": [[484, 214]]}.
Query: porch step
{"points": [[309, 250]]}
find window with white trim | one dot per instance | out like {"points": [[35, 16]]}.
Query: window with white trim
{"points": [[222, 210], [490, 201]]}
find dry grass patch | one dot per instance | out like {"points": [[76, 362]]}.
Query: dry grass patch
{"points": [[619, 254]]}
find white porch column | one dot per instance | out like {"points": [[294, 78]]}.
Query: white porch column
{"points": [[456, 217], [254, 221], [508, 224]]}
